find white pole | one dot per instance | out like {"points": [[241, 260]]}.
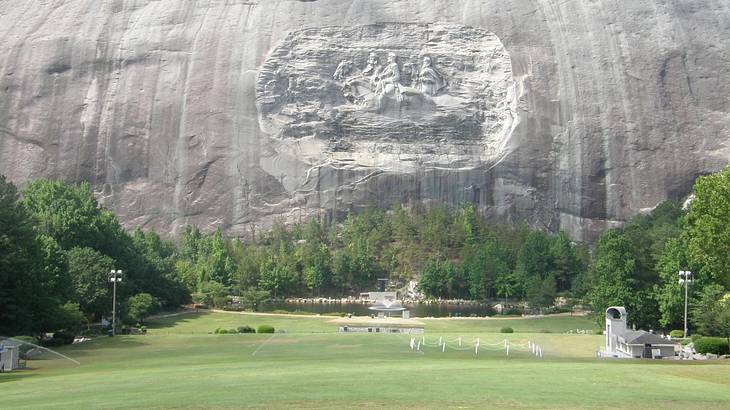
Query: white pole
{"points": [[440, 340], [459, 341], [114, 303], [476, 348], [419, 346], [507, 350], [686, 285], [443, 350]]}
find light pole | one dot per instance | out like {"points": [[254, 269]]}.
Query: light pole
{"points": [[114, 277], [685, 278]]}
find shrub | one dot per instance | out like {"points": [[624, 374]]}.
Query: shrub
{"points": [[232, 331], [66, 337], [265, 329], [246, 329], [695, 337], [676, 334], [506, 330], [53, 342], [714, 345]]}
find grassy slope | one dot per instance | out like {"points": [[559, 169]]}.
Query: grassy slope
{"points": [[179, 365]]}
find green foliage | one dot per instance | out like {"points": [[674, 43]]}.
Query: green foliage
{"points": [[542, 293], [253, 297], [614, 269], [676, 334], [69, 316], [18, 271], [66, 336], [710, 312], [435, 280], [265, 329], [714, 345], [277, 276], [139, 307], [708, 230], [246, 329], [506, 329], [89, 272]]}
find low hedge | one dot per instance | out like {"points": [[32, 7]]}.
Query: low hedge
{"points": [[246, 329], [506, 330], [714, 345], [676, 334], [265, 329]]}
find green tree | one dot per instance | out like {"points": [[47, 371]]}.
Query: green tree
{"points": [[253, 298], [535, 259], [613, 271], [139, 307], [89, 273], [318, 273], [541, 293], [483, 265], [668, 292], [68, 316], [435, 279], [505, 286], [276, 277], [708, 230], [708, 311]]}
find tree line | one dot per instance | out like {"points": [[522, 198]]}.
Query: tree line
{"points": [[58, 246]]}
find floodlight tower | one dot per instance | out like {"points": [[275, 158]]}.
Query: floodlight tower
{"points": [[115, 276], [685, 278]]}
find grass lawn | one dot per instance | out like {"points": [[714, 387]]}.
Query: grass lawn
{"points": [[178, 364]]}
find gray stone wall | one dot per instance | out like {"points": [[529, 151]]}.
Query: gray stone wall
{"points": [[570, 115]]}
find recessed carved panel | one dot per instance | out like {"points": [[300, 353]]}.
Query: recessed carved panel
{"points": [[392, 83]]}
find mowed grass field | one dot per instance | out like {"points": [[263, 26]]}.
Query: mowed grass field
{"points": [[179, 365]]}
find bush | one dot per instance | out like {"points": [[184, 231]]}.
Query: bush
{"points": [[676, 334], [220, 331], [66, 337], [695, 337], [506, 330], [714, 345], [265, 329], [246, 329]]}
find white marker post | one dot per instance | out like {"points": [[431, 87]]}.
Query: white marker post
{"points": [[440, 340], [507, 349], [459, 341], [443, 350], [412, 343]]}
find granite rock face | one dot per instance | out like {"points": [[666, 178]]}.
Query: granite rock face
{"points": [[572, 115]]}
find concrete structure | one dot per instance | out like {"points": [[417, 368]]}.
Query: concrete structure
{"points": [[378, 325], [623, 342]]}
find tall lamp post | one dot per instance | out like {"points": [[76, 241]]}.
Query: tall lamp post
{"points": [[115, 276], [685, 278]]}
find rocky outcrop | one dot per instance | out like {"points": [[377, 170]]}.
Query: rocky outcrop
{"points": [[569, 114]]}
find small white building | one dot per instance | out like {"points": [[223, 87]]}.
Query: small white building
{"points": [[9, 355], [624, 342]]}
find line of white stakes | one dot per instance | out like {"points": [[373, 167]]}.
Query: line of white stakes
{"points": [[534, 348]]}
